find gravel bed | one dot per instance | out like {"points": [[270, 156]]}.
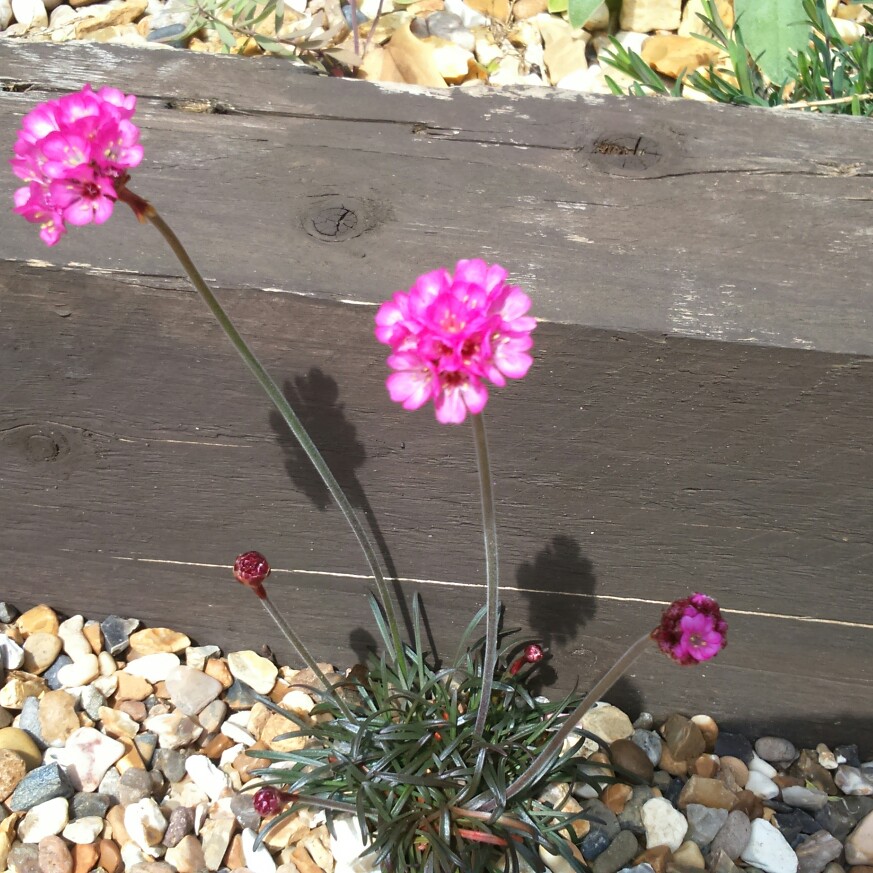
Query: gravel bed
{"points": [[124, 748]]}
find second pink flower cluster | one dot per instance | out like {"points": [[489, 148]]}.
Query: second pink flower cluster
{"points": [[451, 332], [71, 152]]}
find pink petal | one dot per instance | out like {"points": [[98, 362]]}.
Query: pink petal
{"points": [[475, 395], [511, 357], [450, 408]]}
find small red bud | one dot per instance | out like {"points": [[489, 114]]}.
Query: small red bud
{"points": [[251, 568], [267, 801], [533, 653]]}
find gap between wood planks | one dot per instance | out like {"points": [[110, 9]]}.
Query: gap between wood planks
{"points": [[802, 619]]}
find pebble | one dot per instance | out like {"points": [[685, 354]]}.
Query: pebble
{"points": [[191, 690], [54, 856], [41, 650], [116, 633], [11, 654], [206, 776], [16, 740], [158, 639], [12, 770], [88, 755], [181, 823], [57, 717], [153, 668], [145, 825], [704, 823], [80, 672], [665, 825], [253, 670], [734, 835], [776, 750], [83, 831], [768, 849], [44, 820], [41, 618], [607, 722], [39, 786], [76, 644]]}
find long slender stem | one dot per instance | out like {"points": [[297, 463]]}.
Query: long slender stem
{"points": [[271, 389], [553, 747], [492, 580], [304, 653]]}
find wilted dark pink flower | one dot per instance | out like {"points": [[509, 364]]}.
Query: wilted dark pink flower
{"points": [[251, 569], [451, 332], [72, 152], [691, 630]]}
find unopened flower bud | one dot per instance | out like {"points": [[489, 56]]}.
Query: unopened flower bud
{"points": [[531, 655], [251, 568], [268, 801]]}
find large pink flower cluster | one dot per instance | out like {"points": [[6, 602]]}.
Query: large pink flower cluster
{"points": [[71, 152], [691, 630], [451, 332]]}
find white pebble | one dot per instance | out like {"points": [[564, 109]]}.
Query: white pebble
{"points": [[87, 755], [83, 831], [769, 850], [759, 765], [260, 861], [44, 820], [76, 644], [206, 776], [237, 734], [11, 654], [665, 825], [80, 672], [153, 668], [146, 825], [761, 786]]}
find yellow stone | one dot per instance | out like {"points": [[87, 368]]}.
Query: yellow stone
{"points": [[130, 758], [19, 686], [677, 56], [217, 669], [7, 835], [276, 726], [131, 687], [41, 651], [19, 741], [40, 619], [153, 640], [94, 636]]}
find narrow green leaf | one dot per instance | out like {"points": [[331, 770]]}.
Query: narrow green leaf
{"points": [[773, 30]]}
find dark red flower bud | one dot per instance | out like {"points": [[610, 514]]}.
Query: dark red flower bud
{"points": [[267, 801], [251, 568], [533, 653], [530, 655]]}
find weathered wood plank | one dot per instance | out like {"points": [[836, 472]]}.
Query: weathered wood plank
{"points": [[710, 233], [657, 466]]}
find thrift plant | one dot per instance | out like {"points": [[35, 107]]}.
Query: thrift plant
{"points": [[429, 767]]}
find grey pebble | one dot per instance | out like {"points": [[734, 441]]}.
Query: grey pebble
{"points": [[171, 763], [86, 803], [645, 721], [620, 853], [597, 812], [29, 721], [775, 750], [704, 823], [51, 675], [650, 743], [180, 825], [243, 807], [91, 701], [109, 784], [734, 835], [809, 799], [135, 785], [814, 853], [116, 633], [8, 613], [42, 784]]}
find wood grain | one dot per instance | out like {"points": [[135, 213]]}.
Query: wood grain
{"points": [[698, 416]]}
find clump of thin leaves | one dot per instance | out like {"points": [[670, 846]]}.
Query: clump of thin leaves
{"points": [[416, 776], [830, 76]]}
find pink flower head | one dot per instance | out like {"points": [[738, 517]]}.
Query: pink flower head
{"points": [[72, 152], [450, 333], [691, 630], [532, 654]]}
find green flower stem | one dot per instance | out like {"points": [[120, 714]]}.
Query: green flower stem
{"points": [[492, 581], [540, 765], [271, 389], [304, 653]]}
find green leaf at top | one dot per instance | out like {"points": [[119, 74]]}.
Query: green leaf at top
{"points": [[581, 10], [773, 30]]}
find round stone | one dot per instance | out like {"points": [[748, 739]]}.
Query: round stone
{"points": [[628, 756], [54, 856], [12, 770], [254, 670], [41, 651], [16, 740]]}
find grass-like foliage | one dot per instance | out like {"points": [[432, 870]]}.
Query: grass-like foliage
{"points": [[417, 777], [829, 76]]}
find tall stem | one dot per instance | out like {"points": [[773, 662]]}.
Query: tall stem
{"points": [[492, 582], [303, 652], [552, 748], [271, 389]]}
